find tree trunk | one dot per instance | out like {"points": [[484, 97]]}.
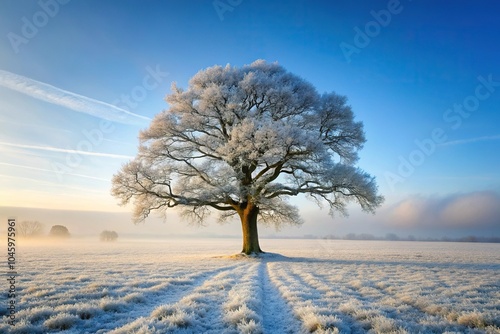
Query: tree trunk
{"points": [[248, 215]]}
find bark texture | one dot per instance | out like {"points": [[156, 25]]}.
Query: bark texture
{"points": [[248, 214]]}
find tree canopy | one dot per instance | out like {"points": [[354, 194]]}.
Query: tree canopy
{"points": [[59, 231], [248, 138], [108, 235]]}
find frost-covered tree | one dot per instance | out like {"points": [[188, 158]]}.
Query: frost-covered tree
{"points": [[108, 235], [30, 228], [242, 141], [59, 231]]}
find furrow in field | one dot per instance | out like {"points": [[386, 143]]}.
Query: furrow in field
{"points": [[451, 298], [198, 310], [244, 302], [110, 305], [404, 295], [277, 317], [342, 297], [308, 305]]}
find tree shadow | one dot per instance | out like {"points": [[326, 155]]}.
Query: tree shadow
{"points": [[277, 258]]}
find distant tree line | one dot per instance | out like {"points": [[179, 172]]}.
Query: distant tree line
{"points": [[108, 235], [30, 229], [34, 229], [395, 237]]}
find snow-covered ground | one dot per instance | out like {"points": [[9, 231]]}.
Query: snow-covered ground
{"points": [[320, 286]]}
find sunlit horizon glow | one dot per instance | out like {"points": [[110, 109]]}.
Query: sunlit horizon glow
{"points": [[75, 94]]}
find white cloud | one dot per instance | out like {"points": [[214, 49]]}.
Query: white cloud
{"points": [[70, 100], [410, 212], [471, 210]]}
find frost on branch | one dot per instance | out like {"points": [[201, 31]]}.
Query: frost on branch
{"points": [[255, 136]]}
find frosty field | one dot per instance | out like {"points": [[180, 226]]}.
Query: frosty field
{"points": [[312, 286]]}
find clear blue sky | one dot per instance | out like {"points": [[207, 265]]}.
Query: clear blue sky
{"points": [[412, 70]]}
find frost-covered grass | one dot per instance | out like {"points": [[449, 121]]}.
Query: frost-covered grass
{"points": [[314, 286]]}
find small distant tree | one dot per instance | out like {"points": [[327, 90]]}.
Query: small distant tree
{"points": [[469, 238], [59, 231], [366, 236], [108, 236], [351, 236], [29, 229]]}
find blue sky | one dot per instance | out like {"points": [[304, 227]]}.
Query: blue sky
{"points": [[87, 75]]}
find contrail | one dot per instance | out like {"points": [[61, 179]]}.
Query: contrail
{"points": [[62, 150], [48, 93], [470, 140], [53, 171]]}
